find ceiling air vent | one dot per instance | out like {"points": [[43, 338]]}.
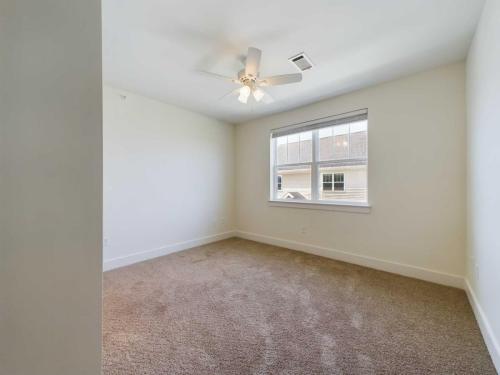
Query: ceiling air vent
{"points": [[301, 61]]}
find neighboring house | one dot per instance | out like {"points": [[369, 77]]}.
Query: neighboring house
{"points": [[343, 174], [293, 195]]}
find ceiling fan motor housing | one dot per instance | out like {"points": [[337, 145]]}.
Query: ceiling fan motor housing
{"points": [[247, 79]]}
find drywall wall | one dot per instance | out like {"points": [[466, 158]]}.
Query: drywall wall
{"points": [[50, 187], [416, 179], [168, 178], [483, 161]]}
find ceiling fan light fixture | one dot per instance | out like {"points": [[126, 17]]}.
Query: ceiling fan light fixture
{"points": [[258, 94], [244, 94], [243, 99]]}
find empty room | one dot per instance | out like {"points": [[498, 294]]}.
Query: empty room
{"points": [[269, 187]]}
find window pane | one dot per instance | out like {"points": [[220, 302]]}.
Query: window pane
{"points": [[326, 144], [334, 142], [306, 147], [341, 130], [294, 148], [341, 142], [349, 183], [281, 152], [358, 140], [295, 183], [347, 141]]}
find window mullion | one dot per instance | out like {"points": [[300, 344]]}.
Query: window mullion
{"points": [[349, 142], [274, 168], [314, 166]]}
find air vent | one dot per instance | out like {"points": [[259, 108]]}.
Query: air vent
{"points": [[301, 61]]}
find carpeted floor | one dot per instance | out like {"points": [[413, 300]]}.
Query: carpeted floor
{"points": [[240, 307]]}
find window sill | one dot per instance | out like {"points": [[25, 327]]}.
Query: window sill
{"points": [[356, 207]]}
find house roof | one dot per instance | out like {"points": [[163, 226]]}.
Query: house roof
{"points": [[294, 195]]}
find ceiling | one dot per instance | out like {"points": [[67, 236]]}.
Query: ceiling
{"points": [[158, 47]]}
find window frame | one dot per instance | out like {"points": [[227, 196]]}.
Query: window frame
{"points": [[315, 164]]}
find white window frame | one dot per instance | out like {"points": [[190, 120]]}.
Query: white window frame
{"points": [[315, 165]]}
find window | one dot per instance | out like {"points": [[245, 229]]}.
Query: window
{"points": [[322, 161], [327, 182], [338, 182]]}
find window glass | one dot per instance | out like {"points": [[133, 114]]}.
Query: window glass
{"points": [[294, 148], [349, 183], [295, 183], [346, 141], [341, 142], [340, 170]]}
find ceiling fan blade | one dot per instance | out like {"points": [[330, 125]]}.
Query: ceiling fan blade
{"points": [[281, 79], [252, 64], [267, 99], [219, 76], [230, 93]]}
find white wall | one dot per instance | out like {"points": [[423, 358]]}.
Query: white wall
{"points": [[168, 178], [50, 187], [416, 179], [483, 135]]}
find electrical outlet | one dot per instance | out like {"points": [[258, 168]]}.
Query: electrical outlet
{"points": [[303, 230], [105, 242]]}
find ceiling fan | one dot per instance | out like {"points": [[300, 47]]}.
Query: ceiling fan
{"points": [[250, 81]]}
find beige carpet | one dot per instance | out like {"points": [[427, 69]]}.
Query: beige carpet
{"points": [[240, 307]]}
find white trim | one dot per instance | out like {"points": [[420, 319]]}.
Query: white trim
{"points": [[314, 166], [492, 343], [141, 256], [327, 205], [362, 260]]}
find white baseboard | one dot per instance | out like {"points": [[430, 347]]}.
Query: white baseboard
{"points": [[490, 339], [362, 260], [140, 256]]}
